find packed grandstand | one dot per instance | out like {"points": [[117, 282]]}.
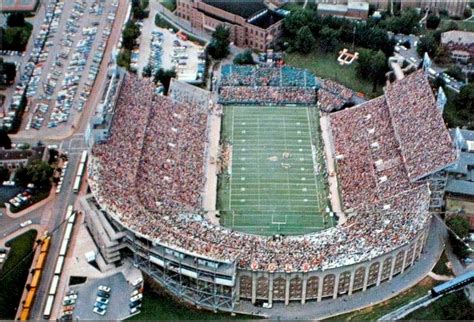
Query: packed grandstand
{"points": [[149, 175]]}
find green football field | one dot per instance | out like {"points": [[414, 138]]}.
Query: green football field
{"points": [[275, 182]]}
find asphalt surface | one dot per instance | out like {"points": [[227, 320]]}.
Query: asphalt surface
{"points": [[117, 308]]}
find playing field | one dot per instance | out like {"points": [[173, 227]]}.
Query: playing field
{"points": [[275, 182]]}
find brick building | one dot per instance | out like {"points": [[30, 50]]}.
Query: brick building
{"points": [[18, 5], [460, 44], [252, 24]]}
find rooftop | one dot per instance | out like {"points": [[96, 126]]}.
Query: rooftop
{"points": [[265, 19], [243, 8], [457, 36]]}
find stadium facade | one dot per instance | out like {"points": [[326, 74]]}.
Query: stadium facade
{"points": [[203, 277]]}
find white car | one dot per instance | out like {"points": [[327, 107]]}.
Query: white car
{"points": [[104, 288], [102, 300], [135, 293], [136, 298], [134, 310], [26, 223], [99, 311]]}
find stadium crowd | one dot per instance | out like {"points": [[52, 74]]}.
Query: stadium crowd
{"points": [[333, 96], [379, 138], [253, 75], [266, 95], [148, 175], [418, 142]]}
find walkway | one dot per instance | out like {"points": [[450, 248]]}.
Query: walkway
{"points": [[374, 295]]}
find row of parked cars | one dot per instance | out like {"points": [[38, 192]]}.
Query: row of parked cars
{"points": [[30, 78], [102, 300], [69, 303], [11, 53], [75, 55]]}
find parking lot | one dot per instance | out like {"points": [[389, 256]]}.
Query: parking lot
{"points": [[164, 49], [118, 305], [64, 62]]}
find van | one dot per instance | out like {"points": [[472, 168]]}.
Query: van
{"points": [[137, 282]]}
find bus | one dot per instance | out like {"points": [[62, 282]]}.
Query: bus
{"points": [[48, 307], [454, 284], [77, 184]]}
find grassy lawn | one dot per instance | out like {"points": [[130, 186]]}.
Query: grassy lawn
{"points": [[163, 307], [454, 306], [441, 268], [461, 25], [325, 65], [374, 312], [272, 187], [169, 4], [14, 273]]}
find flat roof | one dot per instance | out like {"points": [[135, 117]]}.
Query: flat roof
{"points": [[265, 19], [243, 8], [18, 5]]}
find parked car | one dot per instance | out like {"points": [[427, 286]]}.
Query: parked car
{"points": [[102, 300], [99, 311], [104, 288]]}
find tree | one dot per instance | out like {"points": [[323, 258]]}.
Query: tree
{"points": [[405, 23], [432, 22], [427, 44], [464, 105], [219, 45], [296, 20], [16, 19], [15, 38], [372, 65], [5, 141], [328, 39], [467, 12], [129, 35], [124, 58], [4, 174], [7, 72], [37, 172], [244, 58], [459, 226], [304, 41], [164, 77], [456, 72], [147, 70]]}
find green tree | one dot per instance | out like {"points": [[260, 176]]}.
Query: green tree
{"points": [[7, 72], [244, 58], [124, 58], [432, 22], [459, 230], [296, 20], [219, 45], [4, 174], [164, 77], [5, 141], [15, 38], [372, 65], [129, 35], [464, 105], [459, 225], [328, 39], [427, 44], [37, 172], [304, 41], [467, 12], [16, 19], [147, 70], [405, 23]]}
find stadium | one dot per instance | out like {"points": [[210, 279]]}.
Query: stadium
{"points": [[252, 194]]}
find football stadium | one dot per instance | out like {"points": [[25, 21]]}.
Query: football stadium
{"points": [[255, 193]]}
